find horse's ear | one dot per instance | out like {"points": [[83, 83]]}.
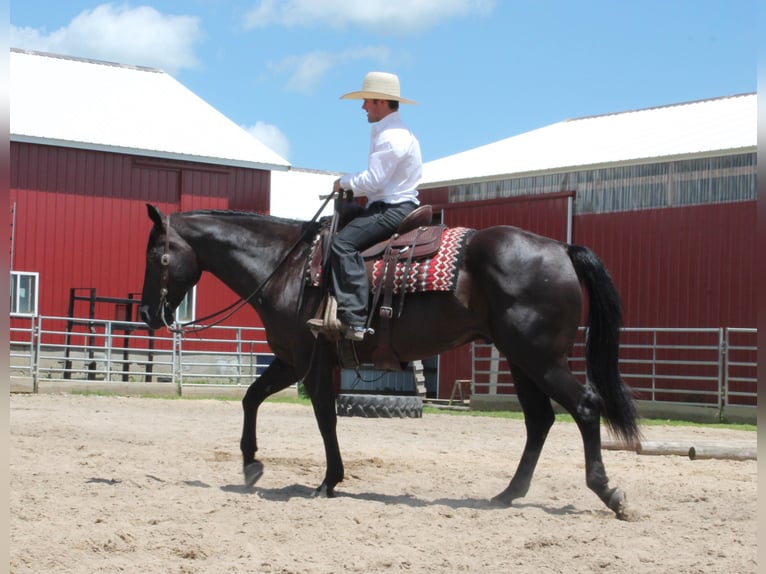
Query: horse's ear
{"points": [[155, 214]]}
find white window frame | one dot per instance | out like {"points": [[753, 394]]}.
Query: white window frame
{"points": [[187, 310], [16, 297]]}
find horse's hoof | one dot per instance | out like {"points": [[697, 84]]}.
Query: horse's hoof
{"points": [[618, 504], [501, 500], [320, 492], [323, 491], [253, 472]]}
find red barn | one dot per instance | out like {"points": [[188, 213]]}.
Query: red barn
{"points": [[666, 196], [91, 143]]}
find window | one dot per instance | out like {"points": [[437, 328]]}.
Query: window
{"points": [[643, 186], [186, 310], [24, 293]]}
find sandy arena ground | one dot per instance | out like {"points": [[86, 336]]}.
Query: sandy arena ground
{"points": [[112, 484]]}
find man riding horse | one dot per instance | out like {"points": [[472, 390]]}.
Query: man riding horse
{"points": [[390, 184]]}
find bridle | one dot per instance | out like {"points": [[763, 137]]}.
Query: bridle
{"points": [[228, 311], [164, 274]]}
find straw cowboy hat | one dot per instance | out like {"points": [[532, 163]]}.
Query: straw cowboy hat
{"points": [[378, 86]]}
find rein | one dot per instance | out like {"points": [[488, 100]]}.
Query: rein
{"points": [[181, 328]]}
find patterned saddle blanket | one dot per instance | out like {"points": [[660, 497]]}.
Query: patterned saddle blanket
{"points": [[437, 253]]}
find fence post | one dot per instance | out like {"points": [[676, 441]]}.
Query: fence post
{"points": [[723, 345], [108, 350], [473, 367], [177, 362], [494, 370], [654, 365], [35, 348], [253, 370], [239, 354]]}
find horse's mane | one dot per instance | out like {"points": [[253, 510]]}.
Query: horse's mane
{"points": [[252, 216]]}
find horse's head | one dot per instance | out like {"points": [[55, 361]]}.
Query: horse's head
{"points": [[171, 270]]}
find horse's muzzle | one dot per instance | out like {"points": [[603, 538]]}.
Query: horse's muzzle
{"points": [[154, 319]]}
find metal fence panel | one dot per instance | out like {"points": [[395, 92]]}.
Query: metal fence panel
{"points": [[695, 367], [58, 349]]}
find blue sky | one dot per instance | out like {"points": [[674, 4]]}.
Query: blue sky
{"points": [[480, 70]]}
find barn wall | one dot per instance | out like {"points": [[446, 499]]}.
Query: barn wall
{"points": [[434, 196], [675, 267], [544, 215], [81, 218], [679, 267]]}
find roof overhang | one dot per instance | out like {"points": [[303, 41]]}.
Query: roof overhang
{"points": [[581, 167], [87, 104], [157, 154]]}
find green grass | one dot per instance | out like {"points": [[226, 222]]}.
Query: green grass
{"points": [[568, 418], [516, 415]]}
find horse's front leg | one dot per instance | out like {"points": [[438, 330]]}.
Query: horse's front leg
{"points": [[277, 376], [319, 384]]}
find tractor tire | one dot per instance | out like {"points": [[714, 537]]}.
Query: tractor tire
{"points": [[380, 406]]}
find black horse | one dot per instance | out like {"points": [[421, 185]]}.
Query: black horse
{"points": [[517, 289]]}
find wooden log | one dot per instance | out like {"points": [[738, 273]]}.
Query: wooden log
{"points": [[618, 445], [722, 451], [680, 448], [652, 447]]}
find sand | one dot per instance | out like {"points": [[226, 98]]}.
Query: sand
{"points": [[112, 484]]}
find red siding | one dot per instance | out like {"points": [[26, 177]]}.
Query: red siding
{"points": [[679, 267], [81, 218], [437, 195], [675, 267], [545, 215]]}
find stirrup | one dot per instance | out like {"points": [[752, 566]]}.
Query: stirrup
{"points": [[326, 319], [355, 334]]}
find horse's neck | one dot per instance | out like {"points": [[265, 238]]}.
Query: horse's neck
{"points": [[242, 257]]}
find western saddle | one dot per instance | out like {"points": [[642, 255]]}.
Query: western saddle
{"points": [[415, 239]]}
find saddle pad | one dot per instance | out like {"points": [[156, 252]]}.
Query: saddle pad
{"points": [[437, 273]]}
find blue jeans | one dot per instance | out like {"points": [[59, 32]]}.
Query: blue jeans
{"points": [[349, 276]]}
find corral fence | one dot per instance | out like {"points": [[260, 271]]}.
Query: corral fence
{"points": [[668, 369], [99, 352], [681, 371]]}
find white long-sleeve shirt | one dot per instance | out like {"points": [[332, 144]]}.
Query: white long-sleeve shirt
{"points": [[395, 166]]}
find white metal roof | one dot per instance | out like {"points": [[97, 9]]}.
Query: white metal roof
{"points": [[720, 125], [73, 102], [298, 193]]}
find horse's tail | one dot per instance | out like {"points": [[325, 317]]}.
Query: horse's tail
{"points": [[603, 343]]}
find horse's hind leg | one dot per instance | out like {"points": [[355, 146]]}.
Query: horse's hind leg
{"points": [[584, 405], [277, 376], [538, 419], [587, 415]]}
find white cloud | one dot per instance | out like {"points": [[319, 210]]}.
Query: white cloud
{"points": [[382, 16], [138, 36], [307, 71], [271, 136]]}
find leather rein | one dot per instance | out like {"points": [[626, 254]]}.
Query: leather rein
{"points": [[228, 311]]}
